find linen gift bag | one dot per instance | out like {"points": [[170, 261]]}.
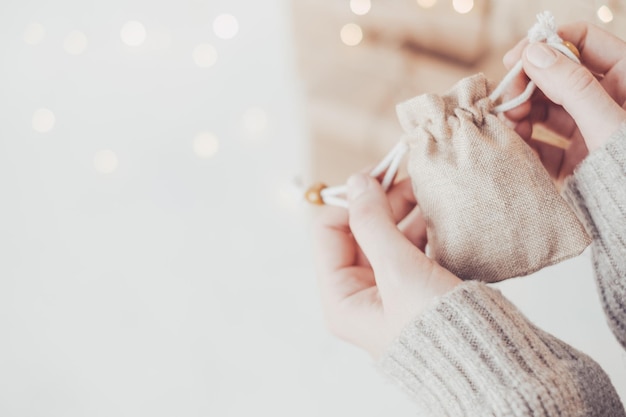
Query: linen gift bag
{"points": [[491, 209]]}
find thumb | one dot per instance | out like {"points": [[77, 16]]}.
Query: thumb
{"points": [[374, 228], [574, 87]]}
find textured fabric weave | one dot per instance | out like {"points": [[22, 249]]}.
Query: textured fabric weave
{"points": [[490, 207]]}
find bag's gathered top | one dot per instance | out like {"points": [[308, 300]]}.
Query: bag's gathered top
{"points": [[491, 209]]}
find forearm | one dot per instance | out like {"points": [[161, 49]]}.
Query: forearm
{"points": [[475, 354], [597, 191]]}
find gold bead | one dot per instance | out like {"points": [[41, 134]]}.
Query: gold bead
{"points": [[314, 194], [572, 48]]}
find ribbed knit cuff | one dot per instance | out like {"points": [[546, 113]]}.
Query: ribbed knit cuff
{"points": [[475, 354], [597, 190]]}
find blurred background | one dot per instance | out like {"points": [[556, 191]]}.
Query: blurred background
{"points": [[154, 246]]}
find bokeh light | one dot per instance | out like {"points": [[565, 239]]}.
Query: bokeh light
{"points": [[351, 34], [426, 4], [204, 55], [133, 33], [360, 7], [75, 43], [34, 33], [43, 120], [225, 26], [205, 145], [463, 6], [605, 14], [105, 161]]}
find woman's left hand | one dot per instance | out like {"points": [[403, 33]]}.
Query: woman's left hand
{"points": [[373, 274]]}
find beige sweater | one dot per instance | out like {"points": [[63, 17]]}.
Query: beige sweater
{"points": [[475, 354]]}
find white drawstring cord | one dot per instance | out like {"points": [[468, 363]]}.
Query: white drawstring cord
{"points": [[543, 31]]}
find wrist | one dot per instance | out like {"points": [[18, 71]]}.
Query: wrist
{"points": [[598, 135], [412, 302]]}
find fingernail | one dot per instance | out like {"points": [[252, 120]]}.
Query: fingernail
{"points": [[357, 184], [540, 55]]}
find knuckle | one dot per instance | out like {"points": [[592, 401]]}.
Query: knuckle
{"points": [[580, 81], [363, 215], [328, 217]]}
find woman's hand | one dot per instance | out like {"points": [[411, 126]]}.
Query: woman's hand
{"points": [[582, 103], [373, 274]]}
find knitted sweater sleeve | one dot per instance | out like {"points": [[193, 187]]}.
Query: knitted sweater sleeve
{"points": [[475, 354], [597, 192]]}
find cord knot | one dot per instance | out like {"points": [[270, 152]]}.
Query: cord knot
{"points": [[545, 29]]}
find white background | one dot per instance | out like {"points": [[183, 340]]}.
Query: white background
{"points": [[178, 285]]}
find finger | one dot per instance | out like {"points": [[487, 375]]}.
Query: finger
{"points": [[374, 228], [401, 199], [553, 117], [338, 273], [575, 88], [517, 87], [413, 226], [334, 244], [524, 129], [333, 241], [600, 51], [514, 54]]}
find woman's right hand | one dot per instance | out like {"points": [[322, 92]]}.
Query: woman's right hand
{"points": [[582, 103]]}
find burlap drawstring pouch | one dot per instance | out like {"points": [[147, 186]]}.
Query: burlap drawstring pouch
{"points": [[491, 209]]}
